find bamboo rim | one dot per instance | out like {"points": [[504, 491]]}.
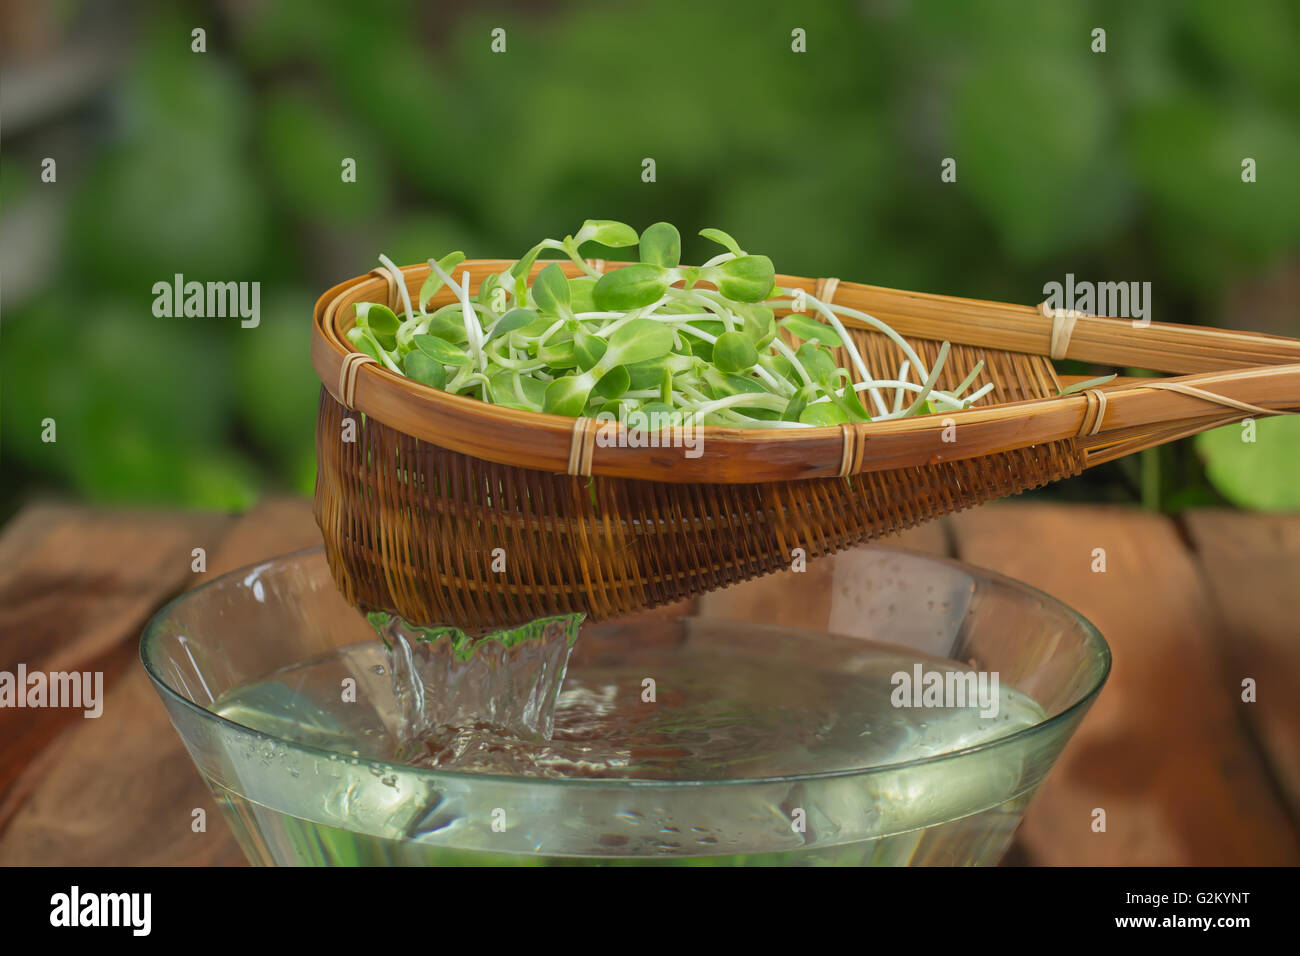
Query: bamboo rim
{"points": [[1235, 374]]}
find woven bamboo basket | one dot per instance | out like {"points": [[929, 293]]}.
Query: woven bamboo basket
{"points": [[446, 509]]}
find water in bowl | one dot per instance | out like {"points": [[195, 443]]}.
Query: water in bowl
{"points": [[792, 727]]}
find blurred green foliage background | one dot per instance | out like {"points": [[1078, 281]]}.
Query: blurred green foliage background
{"points": [[225, 165]]}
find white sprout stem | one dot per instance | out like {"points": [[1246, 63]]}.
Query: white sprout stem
{"points": [[979, 393], [401, 284], [774, 382], [929, 381], [849, 344], [383, 355], [872, 388], [793, 359], [471, 321], [898, 392], [752, 399], [473, 331], [874, 323], [939, 396], [640, 313], [970, 379]]}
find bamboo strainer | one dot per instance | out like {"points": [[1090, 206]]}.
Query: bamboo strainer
{"points": [[448, 510]]}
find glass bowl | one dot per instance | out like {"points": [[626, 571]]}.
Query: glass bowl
{"points": [[293, 796]]}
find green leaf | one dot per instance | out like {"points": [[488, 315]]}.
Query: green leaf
{"points": [[1259, 474], [420, 367], [512, 321], [823, 413], [760, 325], [640, 340], [607, 232], [650, 374], [850, 402], [720, 237], [550, 290], [524, 265], [811, 330], [818, 363], [724, 384], [441, 350], [558, 353], [661, 245], [568, 395], [747, 279], [486, 288], [582, 294], [363, 342], [734, 352], [450, 327], [381, 320], [588, 349], [432, 283], [613, 383], [631, 287], [798, 402]]}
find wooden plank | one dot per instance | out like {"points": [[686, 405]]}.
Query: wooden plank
{"points": [[1162, 751], [786, 597], [1250, 564], [121, 790], [76, 584]]}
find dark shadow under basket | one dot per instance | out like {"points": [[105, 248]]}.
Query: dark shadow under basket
{"points": [[445, 509]]}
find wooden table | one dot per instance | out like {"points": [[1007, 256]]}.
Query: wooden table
{"points": [[1186, 771]]}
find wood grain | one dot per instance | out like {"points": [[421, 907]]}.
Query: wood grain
{"points": [[1251, 569], [1162, 751], [122, 789], [75, 586]]}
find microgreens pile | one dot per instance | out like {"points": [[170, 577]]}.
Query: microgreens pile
{"points": [[647, 338]]}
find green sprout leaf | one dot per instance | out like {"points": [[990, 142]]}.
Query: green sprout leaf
{"points": [[720, 237], [363, 342], [441, 351], [811, 330], [631, 287], [661, 245], [747, 279], [641, 340], [734, 352], [550, 291], [588, 349], [420, 367], [380, 320], [607, 232], [512, 321], [582, 294], [613, 383], [432, 283], [823, 413]]}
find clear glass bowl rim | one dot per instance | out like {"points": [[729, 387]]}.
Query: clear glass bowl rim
{"points": [[1092, 636]]}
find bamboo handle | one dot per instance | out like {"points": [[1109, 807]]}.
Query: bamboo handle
{"points": [[1209, 399], [1159, 346]]}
